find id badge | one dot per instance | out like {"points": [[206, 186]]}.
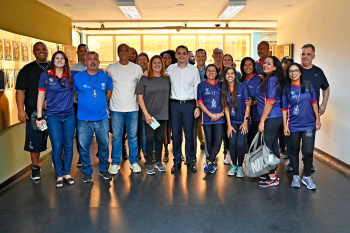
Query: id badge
{"points": [[296, 110], [308, 133], [94, 95], [233, 113], [213, 103]]}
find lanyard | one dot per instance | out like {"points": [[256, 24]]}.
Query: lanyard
{"points": [[250, 78], [211, 92], [91, 81], [41, 66]]}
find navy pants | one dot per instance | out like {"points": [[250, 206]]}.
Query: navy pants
{"points": [[182, 117], [271, 135], [237, 145], [213, 134]]}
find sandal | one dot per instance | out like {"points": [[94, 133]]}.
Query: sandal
{"points": [[59, 183], [69, 180]]}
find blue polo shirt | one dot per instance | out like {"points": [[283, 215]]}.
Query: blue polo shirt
{"points": [[202, 73], [259, 67], [59, 99], [90, 108], [305, 118], [317, 78], [237, 115], [206, 92], [271, 94], [252, 83]]}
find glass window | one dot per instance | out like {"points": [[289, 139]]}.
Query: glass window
{"points": [[103, 45], [209, 43], [188, 40], [238, 46], [155, 44], [132, 41]]}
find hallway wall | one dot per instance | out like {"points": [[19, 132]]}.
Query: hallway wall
{"points": [[325, 24]]}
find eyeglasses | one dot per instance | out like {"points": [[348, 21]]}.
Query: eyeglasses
{"points": [[294, 71], [62, 84], [217, 53]]}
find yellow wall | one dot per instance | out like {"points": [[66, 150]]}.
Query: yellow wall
{"points": [[34, 19], [326, 24]]}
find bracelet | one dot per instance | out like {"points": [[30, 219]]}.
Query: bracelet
{"points": [[198, 107], [40, 118]]}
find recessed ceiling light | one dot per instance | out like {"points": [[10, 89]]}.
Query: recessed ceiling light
{"points": [[179, 5], [68, 5]]}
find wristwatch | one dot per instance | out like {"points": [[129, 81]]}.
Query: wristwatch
{"points": [[246, 118], [40, 118]]}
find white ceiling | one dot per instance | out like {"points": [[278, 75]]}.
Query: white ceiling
{"points": [[161, 13]]}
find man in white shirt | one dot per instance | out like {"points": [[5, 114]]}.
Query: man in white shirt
{"points": [[124, 107], [184, 79]]}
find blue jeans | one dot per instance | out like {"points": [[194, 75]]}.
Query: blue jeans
{"points": [[86, 131], [117, 120], [61, 131]]}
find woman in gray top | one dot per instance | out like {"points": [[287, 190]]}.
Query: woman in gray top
{"points": [[153, 96]]}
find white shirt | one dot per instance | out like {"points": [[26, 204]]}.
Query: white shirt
{"points": [[184, 81], [78, 67], [125, 79]]}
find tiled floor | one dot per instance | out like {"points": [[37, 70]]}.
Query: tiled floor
{"points": [[185, 202]]}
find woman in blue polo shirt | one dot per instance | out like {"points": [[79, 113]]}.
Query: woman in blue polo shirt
{"points": [[57, 84], [208, 98], [268, 96], [300, 100], [233, 97], [252, 80]]}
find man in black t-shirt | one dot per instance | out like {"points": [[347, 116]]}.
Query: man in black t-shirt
{"points": [[26, 98]]}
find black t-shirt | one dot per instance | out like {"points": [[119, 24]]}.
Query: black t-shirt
{"points": [[317, 78], [28, 81]]}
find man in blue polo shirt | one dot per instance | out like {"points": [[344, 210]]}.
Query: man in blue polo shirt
{"points": [[263, 53], [94, 89]]}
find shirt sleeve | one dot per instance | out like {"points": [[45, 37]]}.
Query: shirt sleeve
{"points": [[42, 80], [325, 83], [109, 83], [197, 81], [313, 95], [140, 90], [245, 92], [140, 73], [199, 93], [272, 89], [284, 101], [21, 83], [74, 84]]}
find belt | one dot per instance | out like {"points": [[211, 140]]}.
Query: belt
{"points": [[184, 101]]}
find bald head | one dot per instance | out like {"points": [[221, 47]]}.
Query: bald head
{"points": [[263, 50]]}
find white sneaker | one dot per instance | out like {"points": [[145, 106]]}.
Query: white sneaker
{"points": [[114, 169], [227, 159], [135, 168]]}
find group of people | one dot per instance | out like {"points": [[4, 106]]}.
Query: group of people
{"points": [[153, 101]]}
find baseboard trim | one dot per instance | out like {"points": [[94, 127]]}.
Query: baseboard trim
{"points": [[332, 162]]}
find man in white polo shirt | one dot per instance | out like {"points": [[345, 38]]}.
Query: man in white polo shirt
{"points": [[124, 107], [184, 79]]}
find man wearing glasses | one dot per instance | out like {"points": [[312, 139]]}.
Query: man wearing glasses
{"points": [[217, 56]]}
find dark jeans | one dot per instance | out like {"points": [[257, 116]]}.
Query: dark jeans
{"points": [[182, 117], [308, 138], [152, 136], [252, 132], [282, 140], [225, 139], [213, 134], [271, 134], [237, 145]]}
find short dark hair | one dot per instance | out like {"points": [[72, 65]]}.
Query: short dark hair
{"points": [[201, 50], [309, 46], [121, 45], [142, 54], [82, 45], [181, 46], [94, 53]]}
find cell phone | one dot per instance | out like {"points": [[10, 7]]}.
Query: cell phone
{"points": [[43, 126]]}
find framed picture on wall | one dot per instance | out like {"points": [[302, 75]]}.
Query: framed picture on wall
{"points": [[33, 57], [9, 79], [1, 49], [2, 79], [25, 52], [8, 50], [15, 77], [16, 50]]}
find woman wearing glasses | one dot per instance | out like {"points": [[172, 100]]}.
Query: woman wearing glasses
{"points": [[300, 101], [57, 85], [208, 98]]}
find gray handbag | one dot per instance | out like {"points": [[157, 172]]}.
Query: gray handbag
{"points": [[259, 160]]}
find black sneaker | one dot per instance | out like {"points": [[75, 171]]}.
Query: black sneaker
{"points": [[87, 178], [35, 173], [106, 175]]}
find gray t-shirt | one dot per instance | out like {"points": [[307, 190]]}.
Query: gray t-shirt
{"points": [[156, 94]]}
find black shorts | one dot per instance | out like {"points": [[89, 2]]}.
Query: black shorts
{"points": [[36, 140]]}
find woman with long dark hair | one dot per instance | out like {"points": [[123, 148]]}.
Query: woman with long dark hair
{"points": [[252, 80], [153, 93], [57, 84], [268, 96], [208, 98], [300, 100], [233, 97]]}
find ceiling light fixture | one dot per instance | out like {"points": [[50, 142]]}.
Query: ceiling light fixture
{"points": [[129, 8], [232, 8]]}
